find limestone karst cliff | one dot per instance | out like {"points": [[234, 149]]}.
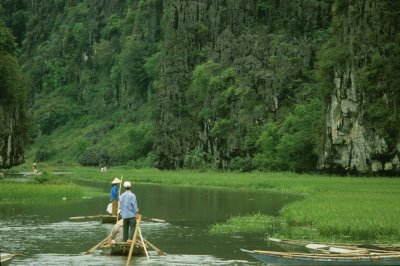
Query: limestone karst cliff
{"points": [[362, 116], [226, 84]]}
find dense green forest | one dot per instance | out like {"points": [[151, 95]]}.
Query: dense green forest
{"points": [[13, 121], [231, 84]]}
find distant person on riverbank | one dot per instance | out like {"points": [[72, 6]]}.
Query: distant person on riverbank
{"points": [[129, 210], [114, 196], [34, 169]]}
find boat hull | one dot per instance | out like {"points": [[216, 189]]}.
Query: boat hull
{"points": [[108, 219], [122, 249], [284, 258], [300, 243], [6, 258]]}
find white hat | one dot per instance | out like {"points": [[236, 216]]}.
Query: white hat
{"points": [[116, 181], [127, 184]]}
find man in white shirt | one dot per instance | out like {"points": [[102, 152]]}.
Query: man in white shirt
{"points": [[129, 209]]}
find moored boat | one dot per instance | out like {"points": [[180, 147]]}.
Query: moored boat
{"points": [[104, 218], [290, 258], [5, 258], [336, 247]]}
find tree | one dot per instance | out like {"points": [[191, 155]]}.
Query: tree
{"points": [[292, 145]]}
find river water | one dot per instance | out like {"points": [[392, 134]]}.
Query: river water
{"points": [[42, 233]]}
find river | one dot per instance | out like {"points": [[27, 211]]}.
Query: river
{"points": [[42, 233]]}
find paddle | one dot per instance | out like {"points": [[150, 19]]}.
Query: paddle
{"points": [[93, 249], [159, 252], [144, 244], [102, 242], [119, 195], [93, 217], [154, 219], [138, 219]]}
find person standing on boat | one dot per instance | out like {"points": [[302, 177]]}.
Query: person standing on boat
{"points": [[129, 210], [114, 196]]}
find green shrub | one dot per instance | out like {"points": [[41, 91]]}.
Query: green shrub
{"points": [[292, 145], [194, 159], [256, 223], [94, 157]]}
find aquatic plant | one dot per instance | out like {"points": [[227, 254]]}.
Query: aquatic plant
{"points": [[256, 223]]}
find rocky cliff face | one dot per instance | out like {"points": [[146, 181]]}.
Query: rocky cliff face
{"points": [[12, 103], [246, 36], [354, 139], [11, 139]]}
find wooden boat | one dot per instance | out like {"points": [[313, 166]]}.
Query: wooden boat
{"points": [[108, 219], [337, 247], [289, 258], [105, 218], [122, 249], [5, 258]]}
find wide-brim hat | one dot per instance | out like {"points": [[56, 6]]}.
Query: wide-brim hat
{"points": [[116, 181]]}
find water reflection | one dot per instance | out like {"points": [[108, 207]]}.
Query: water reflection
{"points": [[42, 232]]}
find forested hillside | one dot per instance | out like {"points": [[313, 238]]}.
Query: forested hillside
{"points": [[13, 121], [229, 84]]}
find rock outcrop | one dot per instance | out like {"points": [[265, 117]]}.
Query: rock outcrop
{"points": [[355, 140], [11, 136]]}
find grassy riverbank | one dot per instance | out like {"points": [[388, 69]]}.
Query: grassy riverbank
{"points": [[335, 208], [43, 187], [17, 193]]}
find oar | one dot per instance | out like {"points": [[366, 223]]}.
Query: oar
{"points": [[154, 219], [159, 252], [93, 249], [139, 218], [144, 244], [85, 217]]}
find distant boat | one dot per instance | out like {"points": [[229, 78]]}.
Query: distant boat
{"points": [[104, 218], [5, 258], [290, 258], [108, 219]]}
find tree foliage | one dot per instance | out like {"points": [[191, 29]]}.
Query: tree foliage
{"points": [[235, 85], [292, 145]]}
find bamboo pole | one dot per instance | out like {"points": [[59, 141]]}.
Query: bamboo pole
{"points": [[138, 219], [93, 249], [156, 249], [119, 194], [144, 244], [92, 217]]}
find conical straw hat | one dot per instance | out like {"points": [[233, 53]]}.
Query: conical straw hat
{"points": [[116, 181]]}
